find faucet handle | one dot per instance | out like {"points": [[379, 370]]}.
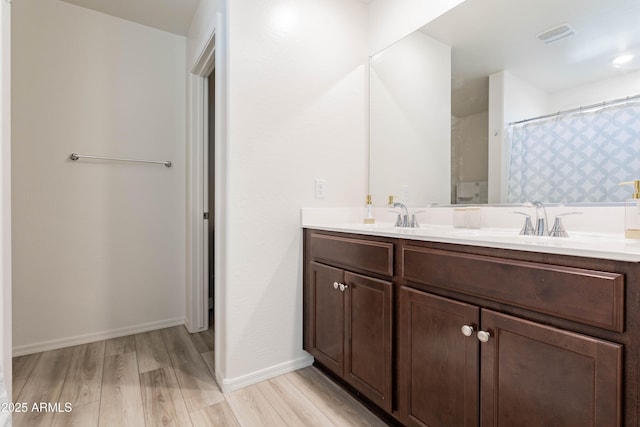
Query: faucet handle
{"points": [[558, 229], [398, 219], [527, 228], [414, 219]]}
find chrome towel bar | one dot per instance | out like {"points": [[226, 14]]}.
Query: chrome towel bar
{"points": [[76, 156]]}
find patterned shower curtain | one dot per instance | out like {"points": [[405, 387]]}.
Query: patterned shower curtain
{"points": [[577, 157]]}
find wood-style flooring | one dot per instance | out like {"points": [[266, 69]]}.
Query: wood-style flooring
{"points": [[165, 378]]}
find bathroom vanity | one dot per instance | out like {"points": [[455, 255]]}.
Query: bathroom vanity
{"points": [[447, 334]]}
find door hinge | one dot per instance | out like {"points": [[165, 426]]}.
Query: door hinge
{"points": [[206, 215]]}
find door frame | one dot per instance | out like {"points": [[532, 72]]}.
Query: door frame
{"points": [[209, 58], [6, 348]]}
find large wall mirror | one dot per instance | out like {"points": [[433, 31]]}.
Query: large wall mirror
{"points": [[505, 101]]}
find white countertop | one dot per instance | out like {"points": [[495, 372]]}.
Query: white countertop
{"points": [[611, 246]]}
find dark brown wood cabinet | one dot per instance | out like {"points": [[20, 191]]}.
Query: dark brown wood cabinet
{"points": [[349, 324], [327, 306], [438, 381], [367, 356], [562, 333], [536, 375], [525, 374]]}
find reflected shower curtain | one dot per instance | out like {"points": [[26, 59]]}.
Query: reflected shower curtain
{"points": [[577, 157]]}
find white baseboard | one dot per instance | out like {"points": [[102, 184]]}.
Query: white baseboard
{"points": [[96, 336], [228, 385]]}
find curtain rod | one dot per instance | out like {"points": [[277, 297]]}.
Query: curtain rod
{"points": [[579, 109]]}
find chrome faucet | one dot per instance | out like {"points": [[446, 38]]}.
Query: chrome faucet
{"points": [[542, 225], [403, 221], [403, 218], [541, 222]]}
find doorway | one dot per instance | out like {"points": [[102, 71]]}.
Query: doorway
{"points": [[206, 238]]}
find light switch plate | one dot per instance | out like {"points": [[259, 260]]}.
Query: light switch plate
{"points": [[405, 193], [321, 188]]}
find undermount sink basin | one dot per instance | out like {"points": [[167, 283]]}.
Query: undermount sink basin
{"points": [[391, 227], [495, 236], [513, 236], [466, 232], [510, 235], [374, 226]]}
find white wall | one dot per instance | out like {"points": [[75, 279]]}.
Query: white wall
{"points": [[469, 140], [202, 27], [391, 20], [510, 99], [528, 101], [627, 84], [411, 122], [296, 108], [99, 247], [522, 100], [5, 196]]}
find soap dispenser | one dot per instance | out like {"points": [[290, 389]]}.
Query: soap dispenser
{"points": [[368, 213], [632, 212]]}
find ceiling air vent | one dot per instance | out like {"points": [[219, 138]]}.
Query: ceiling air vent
{"points": [[556, 33]]}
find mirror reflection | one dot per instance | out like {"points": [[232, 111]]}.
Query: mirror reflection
{"points": [[443, 99]]}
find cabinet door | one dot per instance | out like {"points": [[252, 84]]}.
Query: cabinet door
{"points": [[438, 370], [327, 317], [368, 343], [535, 375]]}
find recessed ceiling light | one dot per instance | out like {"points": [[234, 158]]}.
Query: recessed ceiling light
{"points": [[622, 59]]}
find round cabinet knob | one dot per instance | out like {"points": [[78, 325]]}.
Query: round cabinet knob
{"points": [[467, 330], [343, 287], [335, 285], [483, 336]]}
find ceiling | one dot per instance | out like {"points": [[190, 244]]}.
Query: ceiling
{"points": [[173, 16], [488, 36]]}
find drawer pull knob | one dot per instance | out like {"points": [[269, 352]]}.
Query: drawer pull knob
{"points": [[343, 287], [483, 336], [467, 330], [335, 285]]}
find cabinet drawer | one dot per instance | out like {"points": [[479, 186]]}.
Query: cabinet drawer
{"points": [[590, 297], [354, 254]]}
